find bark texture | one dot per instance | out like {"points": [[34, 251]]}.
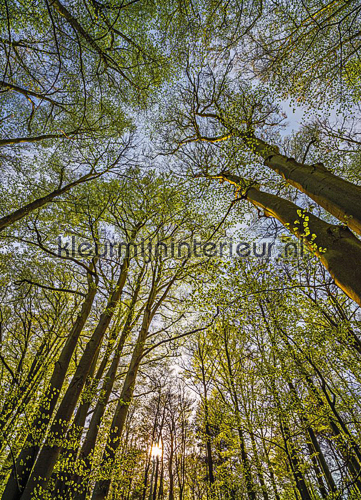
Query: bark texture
{"points": [[336, 246]]}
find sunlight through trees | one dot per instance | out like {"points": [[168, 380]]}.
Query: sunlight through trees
{"points": [[180, 265]]}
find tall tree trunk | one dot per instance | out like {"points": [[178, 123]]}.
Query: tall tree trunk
{"points": [[17, 401], [160, 463], [317, 470], [49, 453], [25, 461], [295, 463], [206, 424], [22, 212], [258, 464], [75, 432], [149, 458], [314, 447], [170, 464], [339, 197], [343, 438], [245, 460], [271, 471], [321, 459], [155, 486], [311, 441], [342, 435], [102, 486], [94, 426], [161, 480], [291, 449], [337, 248]]}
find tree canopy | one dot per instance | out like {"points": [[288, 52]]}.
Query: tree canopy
{"points": [[180, 224]]}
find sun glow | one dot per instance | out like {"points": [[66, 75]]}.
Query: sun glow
{"points": [[156, 450]]}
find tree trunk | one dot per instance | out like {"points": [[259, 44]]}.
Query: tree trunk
{"points": [[206, 425], [258, 464], [92, 434], [339, 197], [155, 487], [22, 212], [270, 469], [170, 465], [337, 248], [149, 458], [18, 398], [342, 437], [294, 460], [18, 479], [244, 455], [102, 487], [314, 447], [50, 451], [75, 432]]}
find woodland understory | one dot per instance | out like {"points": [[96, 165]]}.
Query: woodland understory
{"points": [[180, 254]]}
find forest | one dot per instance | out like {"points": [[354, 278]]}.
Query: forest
{"points": [[180, 259]]}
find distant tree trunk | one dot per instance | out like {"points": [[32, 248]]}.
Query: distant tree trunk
{"points": [[206, 423], [149, 459], [295, 463], [160, 494], [170, 461], [161, 480], [155, 487], [292, 451], [271, 471], [321, 460], [258, 465], [181, 469], [317, 470], [318, 459], [244, 455], [344, 438], [342, 435]]}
